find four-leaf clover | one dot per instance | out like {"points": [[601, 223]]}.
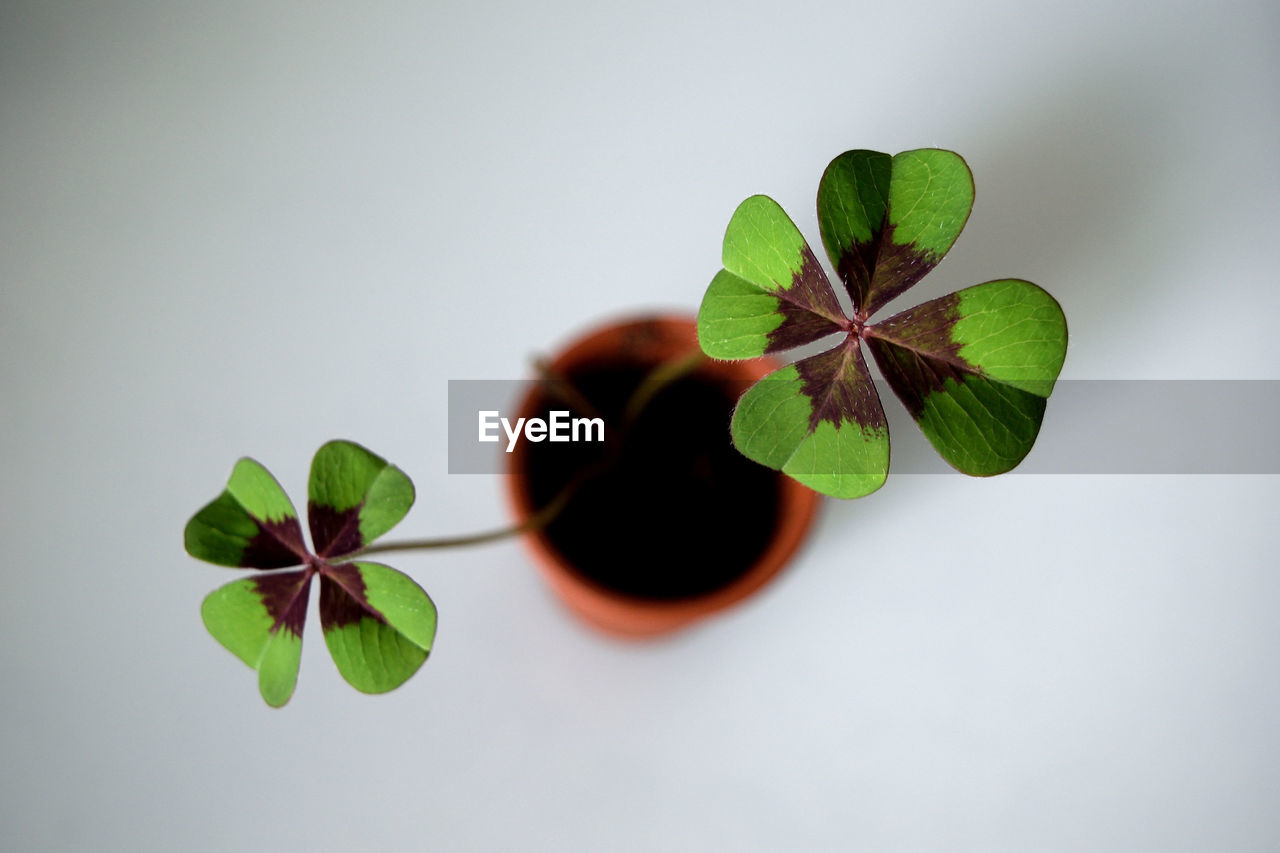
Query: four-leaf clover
{"points": [[378, 623], [973, 368]]}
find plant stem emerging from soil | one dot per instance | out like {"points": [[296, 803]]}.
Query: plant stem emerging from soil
{"points": [[537, 521], [657, 379]]}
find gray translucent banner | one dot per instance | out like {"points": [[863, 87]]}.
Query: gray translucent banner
{"points": [[1090, 427]]}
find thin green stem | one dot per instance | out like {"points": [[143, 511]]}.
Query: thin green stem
{"points": [[535, 522], [662, 376], [657, 380]]}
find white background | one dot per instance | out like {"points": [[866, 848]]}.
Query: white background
{"points": [[246, 228]]}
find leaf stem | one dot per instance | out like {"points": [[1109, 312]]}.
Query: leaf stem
{"points": [[657, 380], [535, 522], [654, 382]]}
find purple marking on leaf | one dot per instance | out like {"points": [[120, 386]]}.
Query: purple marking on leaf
{"points": [[916, 352], [840, 389], [342, 597], [927, 328], [285, 597], [912, 376], [879, 270], [334, 532], [278, 545], [809, 308], [854, 266]]}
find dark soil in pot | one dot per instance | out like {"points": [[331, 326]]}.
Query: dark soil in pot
{"points": [[675, 511]]}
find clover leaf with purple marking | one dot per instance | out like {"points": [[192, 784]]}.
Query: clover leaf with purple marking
{"points": [[974, 368], [377, 623]]}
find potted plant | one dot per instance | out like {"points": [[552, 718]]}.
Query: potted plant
{"points": [[973, 368], [663, 523]]}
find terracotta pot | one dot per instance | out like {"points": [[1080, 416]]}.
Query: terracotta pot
{"points": [[653, 340]]}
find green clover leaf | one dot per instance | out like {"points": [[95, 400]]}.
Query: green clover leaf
{"points": [[377, 623], [973, 368]]}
